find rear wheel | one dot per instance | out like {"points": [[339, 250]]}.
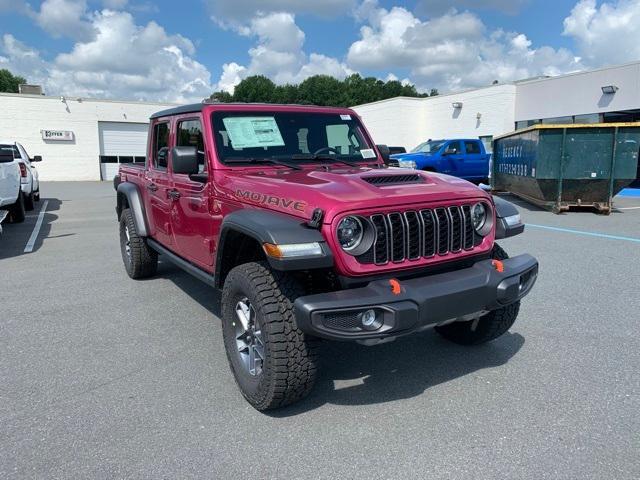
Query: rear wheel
{"points": [[273, 362], [17, 210], [36, 195], [139, 259], [486, 328]]}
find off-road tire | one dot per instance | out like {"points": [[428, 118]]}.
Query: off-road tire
{"points": [[142, 262], [29, 202], [17, 210], [289, 367], [488, 327]]}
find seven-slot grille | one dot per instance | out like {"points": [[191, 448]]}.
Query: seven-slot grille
{"points": [[416, 234]]}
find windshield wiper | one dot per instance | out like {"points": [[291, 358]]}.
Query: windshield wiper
{"points": [[256, 160], [322, 157]]}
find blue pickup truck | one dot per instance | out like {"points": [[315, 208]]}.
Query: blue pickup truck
{"points": [[464, 158]]}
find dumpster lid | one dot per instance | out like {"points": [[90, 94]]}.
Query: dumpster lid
{"points": [[545, 126]]}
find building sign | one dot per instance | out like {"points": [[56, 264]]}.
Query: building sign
{"points": [[57, 135]]}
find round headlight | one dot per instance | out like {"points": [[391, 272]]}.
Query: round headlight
{"points": [[350, 232], [478, 216]]}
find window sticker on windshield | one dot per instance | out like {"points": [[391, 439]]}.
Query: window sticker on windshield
{"points": [[345, 117], [368, 153], [249, 132]]}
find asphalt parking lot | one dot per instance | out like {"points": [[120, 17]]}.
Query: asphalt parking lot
{"points": [[105, 377]]}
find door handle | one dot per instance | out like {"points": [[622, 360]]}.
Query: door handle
{"points": [[152, 187], [173, 194]]}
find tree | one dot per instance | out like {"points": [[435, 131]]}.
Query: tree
{"points": [[9, 82], [257, 88], [320, 90]]}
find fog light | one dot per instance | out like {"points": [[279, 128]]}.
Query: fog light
{"points": [[369, 320]]}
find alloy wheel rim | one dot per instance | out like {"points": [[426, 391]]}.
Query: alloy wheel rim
{"points": [[248, 333]]}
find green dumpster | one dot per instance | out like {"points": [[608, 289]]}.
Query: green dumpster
{"points": [[563, 166]]}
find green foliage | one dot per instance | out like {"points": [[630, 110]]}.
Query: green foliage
{"points": [[320, 90], [9, 82]]}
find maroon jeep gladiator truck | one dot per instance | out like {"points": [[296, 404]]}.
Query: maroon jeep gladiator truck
{"points": [[294, 214]]}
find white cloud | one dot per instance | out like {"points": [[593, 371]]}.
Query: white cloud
{"points": [[279, 54], [123, 60], [236, 12], [608, 34], [64, 18], [449, 52]]}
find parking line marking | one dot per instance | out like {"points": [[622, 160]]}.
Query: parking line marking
{"points": [[36, 229], [627, 208], [582, 232]]}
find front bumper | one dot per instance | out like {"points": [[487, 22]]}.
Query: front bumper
{"points": [[420, 303]]}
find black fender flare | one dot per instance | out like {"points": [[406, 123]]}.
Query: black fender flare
{"points": [[136, 205], [266, 226], [505, 209]]}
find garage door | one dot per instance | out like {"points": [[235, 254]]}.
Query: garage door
{"points": [[121, 142]]}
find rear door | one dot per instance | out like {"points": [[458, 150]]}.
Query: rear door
{"points": [[476, 164], [191, 223], [158, 183]]}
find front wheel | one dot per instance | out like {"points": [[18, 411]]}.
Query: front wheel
{"points": [[17, 210], [273, 362], [29, 202], [486, 328]]}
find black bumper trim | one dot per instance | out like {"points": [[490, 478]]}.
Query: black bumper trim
{"points": [[423, 301]]}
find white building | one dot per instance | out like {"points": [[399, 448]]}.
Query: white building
{"points": [[86, 139], [78, 138], [606, 95]]}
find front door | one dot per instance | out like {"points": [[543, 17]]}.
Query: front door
{"points": [[454, 159], [158, 184], [191, 223]]}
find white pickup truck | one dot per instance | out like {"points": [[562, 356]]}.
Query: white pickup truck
{"points": [[11, 196]]}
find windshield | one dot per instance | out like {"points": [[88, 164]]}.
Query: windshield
{"points": [[290, 136], [431, 146]]}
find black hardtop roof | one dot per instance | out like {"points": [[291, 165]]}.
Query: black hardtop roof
{"points": [[198, 107]]}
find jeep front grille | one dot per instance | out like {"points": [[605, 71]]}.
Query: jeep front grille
{"points": [[416, 234]]}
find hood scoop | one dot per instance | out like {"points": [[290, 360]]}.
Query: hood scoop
{"points": [[383, 180]]}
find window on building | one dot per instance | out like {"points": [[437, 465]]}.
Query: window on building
{"points": [[108, 159], [190, 135], [587, 118], [624, 116], [487, 141], [557, 120], [160, 145]]}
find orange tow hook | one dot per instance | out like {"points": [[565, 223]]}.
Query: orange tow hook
{"points": [[395, 286], [498, 265]]}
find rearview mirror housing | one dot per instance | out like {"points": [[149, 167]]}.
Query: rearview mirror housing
{"points": [[184, 160], [36, 158], [384, 153]]}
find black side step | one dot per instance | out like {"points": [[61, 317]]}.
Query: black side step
{"points": [[197, 272]]}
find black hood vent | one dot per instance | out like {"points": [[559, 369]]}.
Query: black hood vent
{"points": [[382, 180]]}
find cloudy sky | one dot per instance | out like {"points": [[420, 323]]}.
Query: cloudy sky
{"points": [[181, 51]]}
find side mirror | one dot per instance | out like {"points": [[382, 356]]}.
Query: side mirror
{"points": [[384, 153], [36, 158], [184, 160]]}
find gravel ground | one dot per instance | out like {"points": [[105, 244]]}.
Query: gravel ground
{"points": [[105, 377]]}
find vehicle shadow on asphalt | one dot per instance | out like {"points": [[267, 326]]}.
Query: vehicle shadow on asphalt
{"points": [[16, 235], [353, 374]]}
